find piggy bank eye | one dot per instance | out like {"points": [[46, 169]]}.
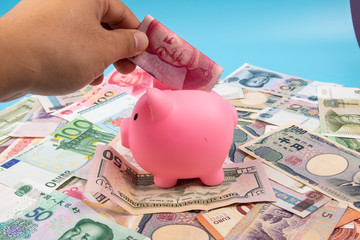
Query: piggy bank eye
{"points": [[135, 116]]}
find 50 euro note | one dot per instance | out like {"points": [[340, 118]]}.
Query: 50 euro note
{"points": [[312, 159], [112, 176], [134, 83], [58, 216], [173, 61], [339, 111]]}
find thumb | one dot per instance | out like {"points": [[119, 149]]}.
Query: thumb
{"points": [[126, 43]]}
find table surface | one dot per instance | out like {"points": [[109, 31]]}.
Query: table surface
{"points": [[312, 39]]}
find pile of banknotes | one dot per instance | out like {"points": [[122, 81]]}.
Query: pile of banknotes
{"points": [[292, 172]]}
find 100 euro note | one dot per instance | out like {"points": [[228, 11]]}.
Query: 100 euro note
{"points": [[112, 176], [311, 158], [339, 111], [56, 157], [58, 216], [134, 83], [267, 221], [173, 61]]}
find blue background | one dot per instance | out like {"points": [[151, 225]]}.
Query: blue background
{"points": [[309, 39]]}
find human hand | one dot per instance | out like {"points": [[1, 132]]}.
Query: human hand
{"points": [[54, 47]]}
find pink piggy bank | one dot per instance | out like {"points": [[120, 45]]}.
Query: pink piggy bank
{"points": [[179, 134]]}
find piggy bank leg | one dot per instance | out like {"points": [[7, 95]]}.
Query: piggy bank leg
{"points": [[164, 182], [214, 178]]}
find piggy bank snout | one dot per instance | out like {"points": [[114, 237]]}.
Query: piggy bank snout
{"points": [[124, 131]]}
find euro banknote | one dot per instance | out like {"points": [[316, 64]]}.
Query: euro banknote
{"points": [[56, 157]]}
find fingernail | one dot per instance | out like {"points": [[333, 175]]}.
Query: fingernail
{"points": [[141, 41]]}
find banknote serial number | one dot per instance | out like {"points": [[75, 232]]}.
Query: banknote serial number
{"points": [[297, 130]]}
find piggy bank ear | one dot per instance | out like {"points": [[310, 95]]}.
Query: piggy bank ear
{"points": [[160, 104]]}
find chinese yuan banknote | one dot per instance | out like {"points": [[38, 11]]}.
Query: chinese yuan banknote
{"points": [[219, 222], [112, 176], [134, 83], [339, 111], [302, 112], [173, 61], [313, 159], [301, 204], [11, 116], [16, 199], [267, 221], [58, 216], [259, 79]]}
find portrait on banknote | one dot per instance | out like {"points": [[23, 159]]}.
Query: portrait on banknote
{"points": [[255, 78], [90, 229], [138, 80], [173, 61], [336, 121]]}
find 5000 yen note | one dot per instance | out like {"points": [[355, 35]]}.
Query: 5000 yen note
{"points": [[112, 176], [312, 159]]}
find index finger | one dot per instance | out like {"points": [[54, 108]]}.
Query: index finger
{"points": [[117, 15]]}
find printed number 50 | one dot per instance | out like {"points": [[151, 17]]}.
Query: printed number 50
{"points": [[39, 214]]}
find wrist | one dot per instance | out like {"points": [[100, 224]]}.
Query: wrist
{"points": [[16, 62]]}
